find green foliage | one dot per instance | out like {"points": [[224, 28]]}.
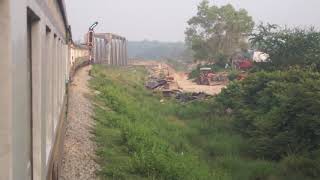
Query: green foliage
{"points": [[287, 47], [277, 111], [233, 75], [136, 135], [217, 32], [139, 137], [306, 167]]}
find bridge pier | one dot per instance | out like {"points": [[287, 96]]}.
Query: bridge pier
{"points": [[110, 49]]}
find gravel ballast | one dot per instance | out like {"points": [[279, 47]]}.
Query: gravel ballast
{"points": [[79, 148]]}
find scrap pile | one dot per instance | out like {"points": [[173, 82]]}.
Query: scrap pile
{"points": [[210, 78], [156, 84], [159, 78]]}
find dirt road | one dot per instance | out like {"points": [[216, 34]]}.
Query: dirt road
{"points": [[188, 86], [79, 149]]}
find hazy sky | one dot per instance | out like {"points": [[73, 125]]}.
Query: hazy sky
{"points": [[165, 20]]}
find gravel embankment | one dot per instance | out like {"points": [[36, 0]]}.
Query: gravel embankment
{"points": [[79, 149]]}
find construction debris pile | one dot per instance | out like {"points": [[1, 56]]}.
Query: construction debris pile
{"points": [[160, 80], [153, 84]]}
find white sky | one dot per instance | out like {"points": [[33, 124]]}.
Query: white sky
{"points": [[165, 20]]}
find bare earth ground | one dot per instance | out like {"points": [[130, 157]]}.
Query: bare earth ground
{"points": [[188, 86], [79, 149], [182, 81]]}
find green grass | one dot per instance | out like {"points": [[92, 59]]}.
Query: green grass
{"points": [[140, 137]]}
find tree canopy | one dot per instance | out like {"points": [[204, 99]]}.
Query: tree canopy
{"points": [[218, 32], [287, 47]]}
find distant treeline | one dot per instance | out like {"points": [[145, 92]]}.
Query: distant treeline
{"points": [[155, 50]]}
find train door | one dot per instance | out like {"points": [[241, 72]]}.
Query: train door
{"points": [[32, 21]]}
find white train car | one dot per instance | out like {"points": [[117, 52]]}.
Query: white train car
{"points": [[35, 60]]}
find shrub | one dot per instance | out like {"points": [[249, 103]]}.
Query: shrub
{"points": [[278, 111], [306, 166], [233, 75]]}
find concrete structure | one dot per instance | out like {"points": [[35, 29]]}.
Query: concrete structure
{"points": [[34, 70], [110, 49], [76, 52]]}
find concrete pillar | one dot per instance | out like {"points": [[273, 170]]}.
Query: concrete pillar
{"points": [[106, 52], [114, 52], [124, 52], [97, 50], [102, 51], [109, 48], [118, 51], [115, 60], [106, 49], [121, 52], [113, 57], [127, 56], [94, 51], [111, 52]]}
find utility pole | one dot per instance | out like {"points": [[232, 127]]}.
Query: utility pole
{"points": [[90, 40]]}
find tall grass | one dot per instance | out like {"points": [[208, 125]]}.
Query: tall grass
{"points": [[141, 137]]}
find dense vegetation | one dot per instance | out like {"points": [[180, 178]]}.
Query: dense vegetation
{"points": [[278, 112], [287, 47], [141, 137]]}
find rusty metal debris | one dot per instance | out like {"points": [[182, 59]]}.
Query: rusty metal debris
{"points": [[211, 78], [153, 84]]}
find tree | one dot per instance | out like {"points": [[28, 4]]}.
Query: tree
{"points": [[287, 47], [216, 33]]}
